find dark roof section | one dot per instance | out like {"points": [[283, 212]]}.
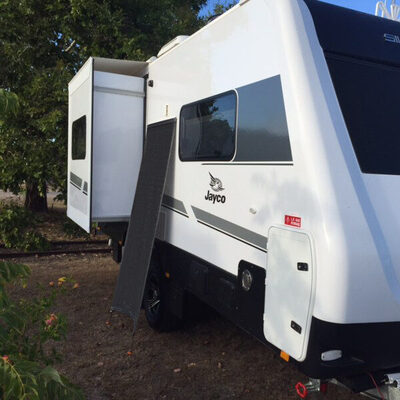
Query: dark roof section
{"points": [[356, 34]]}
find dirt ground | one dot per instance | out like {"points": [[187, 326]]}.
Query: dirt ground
{"points": [[209, 359]]}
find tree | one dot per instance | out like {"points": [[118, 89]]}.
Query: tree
{"points": [[42, 45], [8, 104], [219, 8]]}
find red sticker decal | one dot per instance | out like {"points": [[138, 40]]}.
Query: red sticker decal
{"points": [[293, 221]]}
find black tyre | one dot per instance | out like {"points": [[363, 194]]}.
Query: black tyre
{"points": [[155, 301]]}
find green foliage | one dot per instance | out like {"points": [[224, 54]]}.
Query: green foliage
{"points": [[42, 45], [27, 380], [11, 273], [17, 229], [73, 230], [27, 329], [8, 104]]}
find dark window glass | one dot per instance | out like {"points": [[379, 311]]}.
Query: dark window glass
{"points": [[369, 97], [262, 127], [207, 129], [79, 139]]}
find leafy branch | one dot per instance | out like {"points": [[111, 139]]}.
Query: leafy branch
{"points": [[27, 328]]}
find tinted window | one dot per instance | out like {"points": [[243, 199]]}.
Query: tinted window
{"points": [[207, 129], [79, 139], [262, 127], [369, 97]]}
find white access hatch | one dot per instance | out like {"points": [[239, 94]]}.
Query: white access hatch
{"points": [[105, 140], [289, 290]]}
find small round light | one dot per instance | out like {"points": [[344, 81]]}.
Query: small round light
{"points": [[247, 280]]}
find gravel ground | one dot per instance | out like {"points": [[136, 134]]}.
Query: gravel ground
{"points": [[9, 196], [209, 359], [20, 198]]}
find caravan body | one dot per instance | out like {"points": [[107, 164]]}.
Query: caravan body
{"points": [[280, 206], [105, 98]]}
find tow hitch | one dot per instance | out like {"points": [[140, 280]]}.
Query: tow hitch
{"points": [[389, 390], [386, 388], [314, 389], [393, 386]]}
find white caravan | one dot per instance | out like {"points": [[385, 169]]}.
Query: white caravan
{"points": [[280, 208]]}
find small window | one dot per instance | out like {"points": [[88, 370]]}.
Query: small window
{"points": [[262, 133], [207, 129], [79, 139]]}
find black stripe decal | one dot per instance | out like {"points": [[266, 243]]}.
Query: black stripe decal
{"points": [[73, 184], [75, 180], [235, 231], [172, 209], [233, 237], [174, 204]]}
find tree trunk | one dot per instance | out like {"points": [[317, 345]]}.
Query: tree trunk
{"points": [[34, 200]]}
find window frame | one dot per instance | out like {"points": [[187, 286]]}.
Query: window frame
{"points": [[232, 91], [84, 117]]}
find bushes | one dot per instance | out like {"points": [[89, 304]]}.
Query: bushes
{"points": [[74, 230], [28, 333], [17, 229]]}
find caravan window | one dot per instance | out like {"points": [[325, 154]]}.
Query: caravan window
{"points": [[207, 129], [263, 133], [369, 98], [79, 139]]}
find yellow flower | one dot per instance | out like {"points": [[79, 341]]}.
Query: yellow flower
{"points": [[63, 279]]}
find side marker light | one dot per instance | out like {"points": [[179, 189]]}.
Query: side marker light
{"points": [[285, 356]]}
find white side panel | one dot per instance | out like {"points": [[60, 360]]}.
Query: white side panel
{"points": [[255, 40], [79, 171], [117, 144], [214, 60], [288, 294]]}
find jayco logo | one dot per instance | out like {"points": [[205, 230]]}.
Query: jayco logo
{"points": [[216, 186]]}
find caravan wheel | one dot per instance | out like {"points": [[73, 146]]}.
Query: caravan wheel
{"points": [[155, 301]]}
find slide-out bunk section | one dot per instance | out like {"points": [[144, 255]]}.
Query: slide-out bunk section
{"points": [[105, 140]]}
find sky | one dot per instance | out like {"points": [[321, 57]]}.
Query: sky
{"points": [[360, 5]]}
